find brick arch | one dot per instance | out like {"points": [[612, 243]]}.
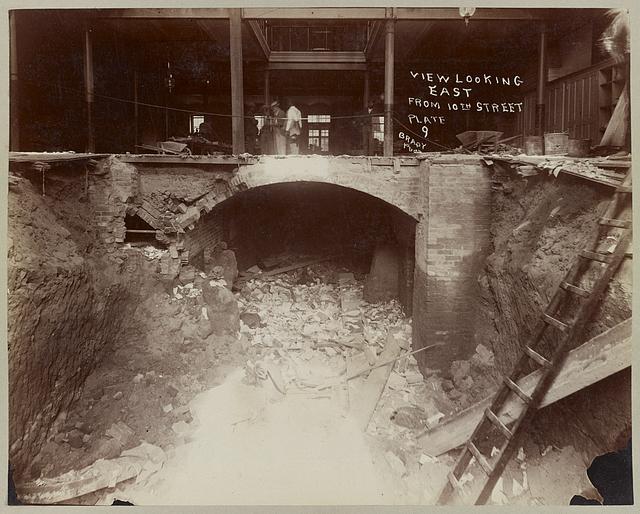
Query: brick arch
{"points": [[379, 181]]}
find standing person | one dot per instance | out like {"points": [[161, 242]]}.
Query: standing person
{"points": [[266, 134], [293, 128], [278, 123], [367, 126]]}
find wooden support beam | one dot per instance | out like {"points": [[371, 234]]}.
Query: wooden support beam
{"points": [[136, 108], [237, 87], [542, 81], [376, 30], [390, 30], [309, 13], [367, 132], [600, 357], [366, 399], [164, 13], [322, 66], [260, 38], [379, 13], [14, 97], [89, 89], [320, 57], [267, 92]]}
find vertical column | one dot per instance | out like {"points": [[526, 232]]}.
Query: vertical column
{"points": [[267, 93], [89, 88], [542, 80], [237, 93], [14, 143], [390, 29], [366, 122], [136, 110]]}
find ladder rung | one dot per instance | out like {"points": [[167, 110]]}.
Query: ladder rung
{"points": [[575, 289], [453, 480], [549, 320], [517, 390], [624, 189], [594, 256], [499, 424], [536, 357], [479, 457], [611, 222]]}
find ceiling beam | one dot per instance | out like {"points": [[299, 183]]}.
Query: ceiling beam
{"points": [[330, 13], [425, 13], [325, 13], [317, 57], [321, 66], [262, 41], [163, 13], [399, 13]]}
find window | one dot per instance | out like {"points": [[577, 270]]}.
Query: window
{"points": [[196, 120], [319, 140], [378, 128], [319, 132], [319, 118]]}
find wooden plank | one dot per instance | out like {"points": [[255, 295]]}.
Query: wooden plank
{"points": [[365, 402], [600, 357], [53, 156], [145, 458], [283, 269]]}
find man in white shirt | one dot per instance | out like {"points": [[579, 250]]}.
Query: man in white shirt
{"points": [[293, 128]]}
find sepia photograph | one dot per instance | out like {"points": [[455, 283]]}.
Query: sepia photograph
{"points": [[321, 256]]}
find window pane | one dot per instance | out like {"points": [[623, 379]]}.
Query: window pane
{"points": [[314, 133], [319, 118], [195, 122], [325, 145]]}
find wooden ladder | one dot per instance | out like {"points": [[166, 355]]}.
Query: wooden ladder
{"points": [[572, 300]]}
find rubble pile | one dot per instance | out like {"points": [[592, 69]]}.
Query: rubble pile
{"points": [[298, 322]]}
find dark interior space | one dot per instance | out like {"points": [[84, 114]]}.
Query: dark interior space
{"points": [[318, 220]]}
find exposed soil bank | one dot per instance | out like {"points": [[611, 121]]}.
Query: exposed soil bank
{"points": [[538, 226], [67, 299]]}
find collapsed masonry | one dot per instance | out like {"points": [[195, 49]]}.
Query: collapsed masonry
{"points": [[534, 226]]}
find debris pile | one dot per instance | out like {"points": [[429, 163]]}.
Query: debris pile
{"points": [[308, 323]]}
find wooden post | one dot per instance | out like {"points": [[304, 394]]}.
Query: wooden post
{"points": [[266, 88], [14, 136], [390, 30], [89, 89], [136, 110], [542, 81], [237, 93], [366, 122]]}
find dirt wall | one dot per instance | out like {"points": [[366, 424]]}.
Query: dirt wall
{"points": [[67, 298], [538, 226]]}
